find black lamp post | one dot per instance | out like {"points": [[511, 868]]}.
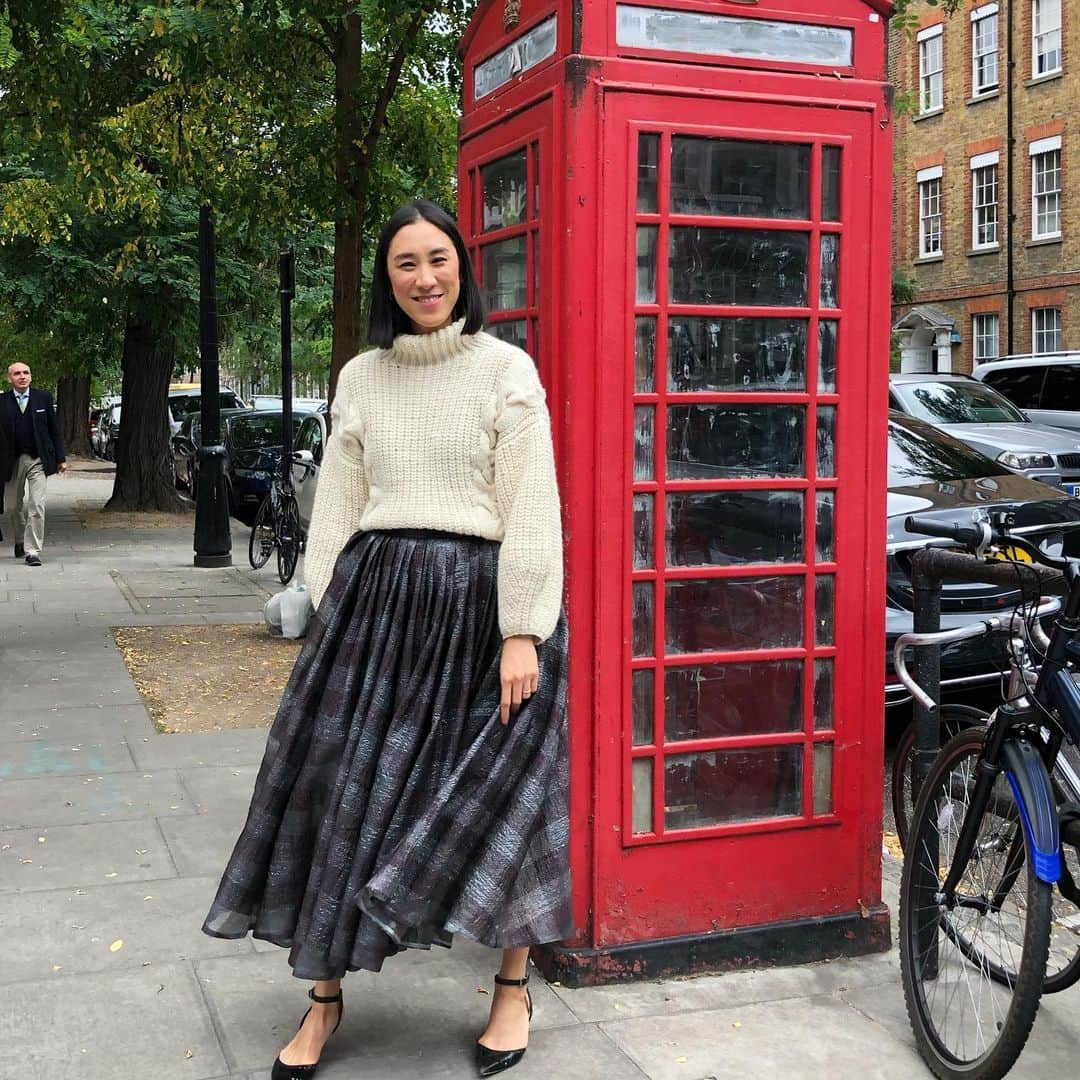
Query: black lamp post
{"points": [[287, 288], [213, 541]]}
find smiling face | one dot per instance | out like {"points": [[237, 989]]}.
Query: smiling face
{"points": [[425, 275], [19, 375]]}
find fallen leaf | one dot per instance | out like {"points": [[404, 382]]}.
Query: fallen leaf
{"points": [[681, 1060], [117, 945], [111, 873], [57, 967], [189, 1053]]}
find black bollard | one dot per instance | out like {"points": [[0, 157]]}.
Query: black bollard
{"points": [[213, 540]]}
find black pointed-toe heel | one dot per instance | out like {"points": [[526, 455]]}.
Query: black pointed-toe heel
{"points": [[489, 1062], [281, 1071]]}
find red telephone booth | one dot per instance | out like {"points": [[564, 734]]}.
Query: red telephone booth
{"points": [[681, 208]]}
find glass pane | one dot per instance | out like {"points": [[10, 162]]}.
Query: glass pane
{"points": [[535, 351], [648, 160], [536, 181], [504, 185], [828, 332], [823, 694], [732, 528], [534, 246], [722, 786], [826, 509], [707, 442], [830, 183], [646, 264], [823, 755], [830, 270], [645, 354], [723, 615], [644, 442], [505, 281], [643, 532], [515, 332], [738, 266], [739, 179], [736, 354], [826, 440], [730, 35], [520, 55], [715, 701], [643, 707], [643, 618], [824, 609], [642, 799]]}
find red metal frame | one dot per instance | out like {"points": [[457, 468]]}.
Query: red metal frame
{"points": [[586, 112]]}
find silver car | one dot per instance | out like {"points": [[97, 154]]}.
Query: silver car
{"points": [[985, 420], [307, 458]]}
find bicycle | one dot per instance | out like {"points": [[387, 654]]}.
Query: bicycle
{"points": [[277, 527], [982, 931]]}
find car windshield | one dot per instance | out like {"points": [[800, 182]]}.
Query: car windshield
{"points": [[249, 432], [920, 455], [184, 404], [956, 403]]}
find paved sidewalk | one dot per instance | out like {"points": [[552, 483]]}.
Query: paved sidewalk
{"points": [[112, 837]]}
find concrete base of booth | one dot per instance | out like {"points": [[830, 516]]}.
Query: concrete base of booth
{"points": [[799, 942]]}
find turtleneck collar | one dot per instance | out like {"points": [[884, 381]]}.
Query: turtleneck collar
{"points": [[432, 348]]}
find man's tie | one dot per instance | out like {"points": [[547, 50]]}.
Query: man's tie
{"points": [[21, 399]]}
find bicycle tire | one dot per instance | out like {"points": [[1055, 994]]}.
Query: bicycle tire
{"points": [[288, 538], [263, 538], [954, 718], [1001, 1014]]}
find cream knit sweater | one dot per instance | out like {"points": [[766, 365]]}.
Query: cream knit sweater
{"points": [[446, 431]]}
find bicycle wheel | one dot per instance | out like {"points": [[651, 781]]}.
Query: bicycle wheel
{"points": [[262, 541], [1063, 966], [967, 1022], [954, 718], [288, 539]]}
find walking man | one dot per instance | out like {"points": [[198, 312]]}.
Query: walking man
{"points": [[30, 451]]}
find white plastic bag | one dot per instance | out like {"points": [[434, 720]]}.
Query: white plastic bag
{"points": [[288, 612]]}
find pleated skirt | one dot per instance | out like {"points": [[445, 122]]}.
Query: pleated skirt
{"points": [[392, 809]]}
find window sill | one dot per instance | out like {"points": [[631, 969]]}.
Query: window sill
{"points": [[990, 249], [928, 115], [1050, 76], [990, 95], [923, 260], [1044, 241]]}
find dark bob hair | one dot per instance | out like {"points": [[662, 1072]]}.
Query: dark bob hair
{"points": [[387, 319]]}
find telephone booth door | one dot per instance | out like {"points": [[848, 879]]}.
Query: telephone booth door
{"points": [[736, 390]]}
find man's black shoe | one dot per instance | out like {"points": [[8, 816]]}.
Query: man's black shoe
{"points": [[20, 551], [33, 560]]}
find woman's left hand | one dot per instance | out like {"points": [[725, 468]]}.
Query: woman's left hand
{"points": [[519, 674]]}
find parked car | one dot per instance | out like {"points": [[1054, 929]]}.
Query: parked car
{"points": [[1046, 386], [272, 403], [186, 398], [186, 443], [935, 475], [310, 440], [253, 448], [978, 415]]}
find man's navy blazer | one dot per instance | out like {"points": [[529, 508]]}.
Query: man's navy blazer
{"points": [[46, 431]]}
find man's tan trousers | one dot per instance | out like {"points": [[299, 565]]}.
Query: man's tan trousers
{"points": [[24, 498]]}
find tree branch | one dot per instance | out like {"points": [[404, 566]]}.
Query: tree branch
{"points": [[321, 43]]}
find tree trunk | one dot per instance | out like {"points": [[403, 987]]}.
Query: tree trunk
{"points": [[72, 414], [144, 470]]}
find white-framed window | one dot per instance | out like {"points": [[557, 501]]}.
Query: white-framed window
{"points": [[1045, 188], [984, 50], [984, 201], [929, 181], [985, 336], [1045, 329], [1045, 37], [931, 69]]}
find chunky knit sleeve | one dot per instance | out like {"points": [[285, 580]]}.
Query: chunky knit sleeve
{"points": [[526, 490], [340, 497]]}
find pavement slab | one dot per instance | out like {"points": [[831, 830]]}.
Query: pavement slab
{"points": [[37, 757], [148, 1024], [44, 802], [237, 747], [200, 845], [82, 855], [225, 790], [93, 722], [73, 932]]}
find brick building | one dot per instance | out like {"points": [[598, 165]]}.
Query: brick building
{"points": [[988, 182]]}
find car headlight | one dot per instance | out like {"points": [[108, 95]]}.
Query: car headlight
{"points": [[1012, 460]]}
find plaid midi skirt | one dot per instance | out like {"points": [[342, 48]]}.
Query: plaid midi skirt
{"points": [[392, 809]]}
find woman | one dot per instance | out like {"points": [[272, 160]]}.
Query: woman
{"points": [[414, 783]]}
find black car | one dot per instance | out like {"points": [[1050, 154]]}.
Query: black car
{"points": [[934, 475], [253, 449], [186, 443]]}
